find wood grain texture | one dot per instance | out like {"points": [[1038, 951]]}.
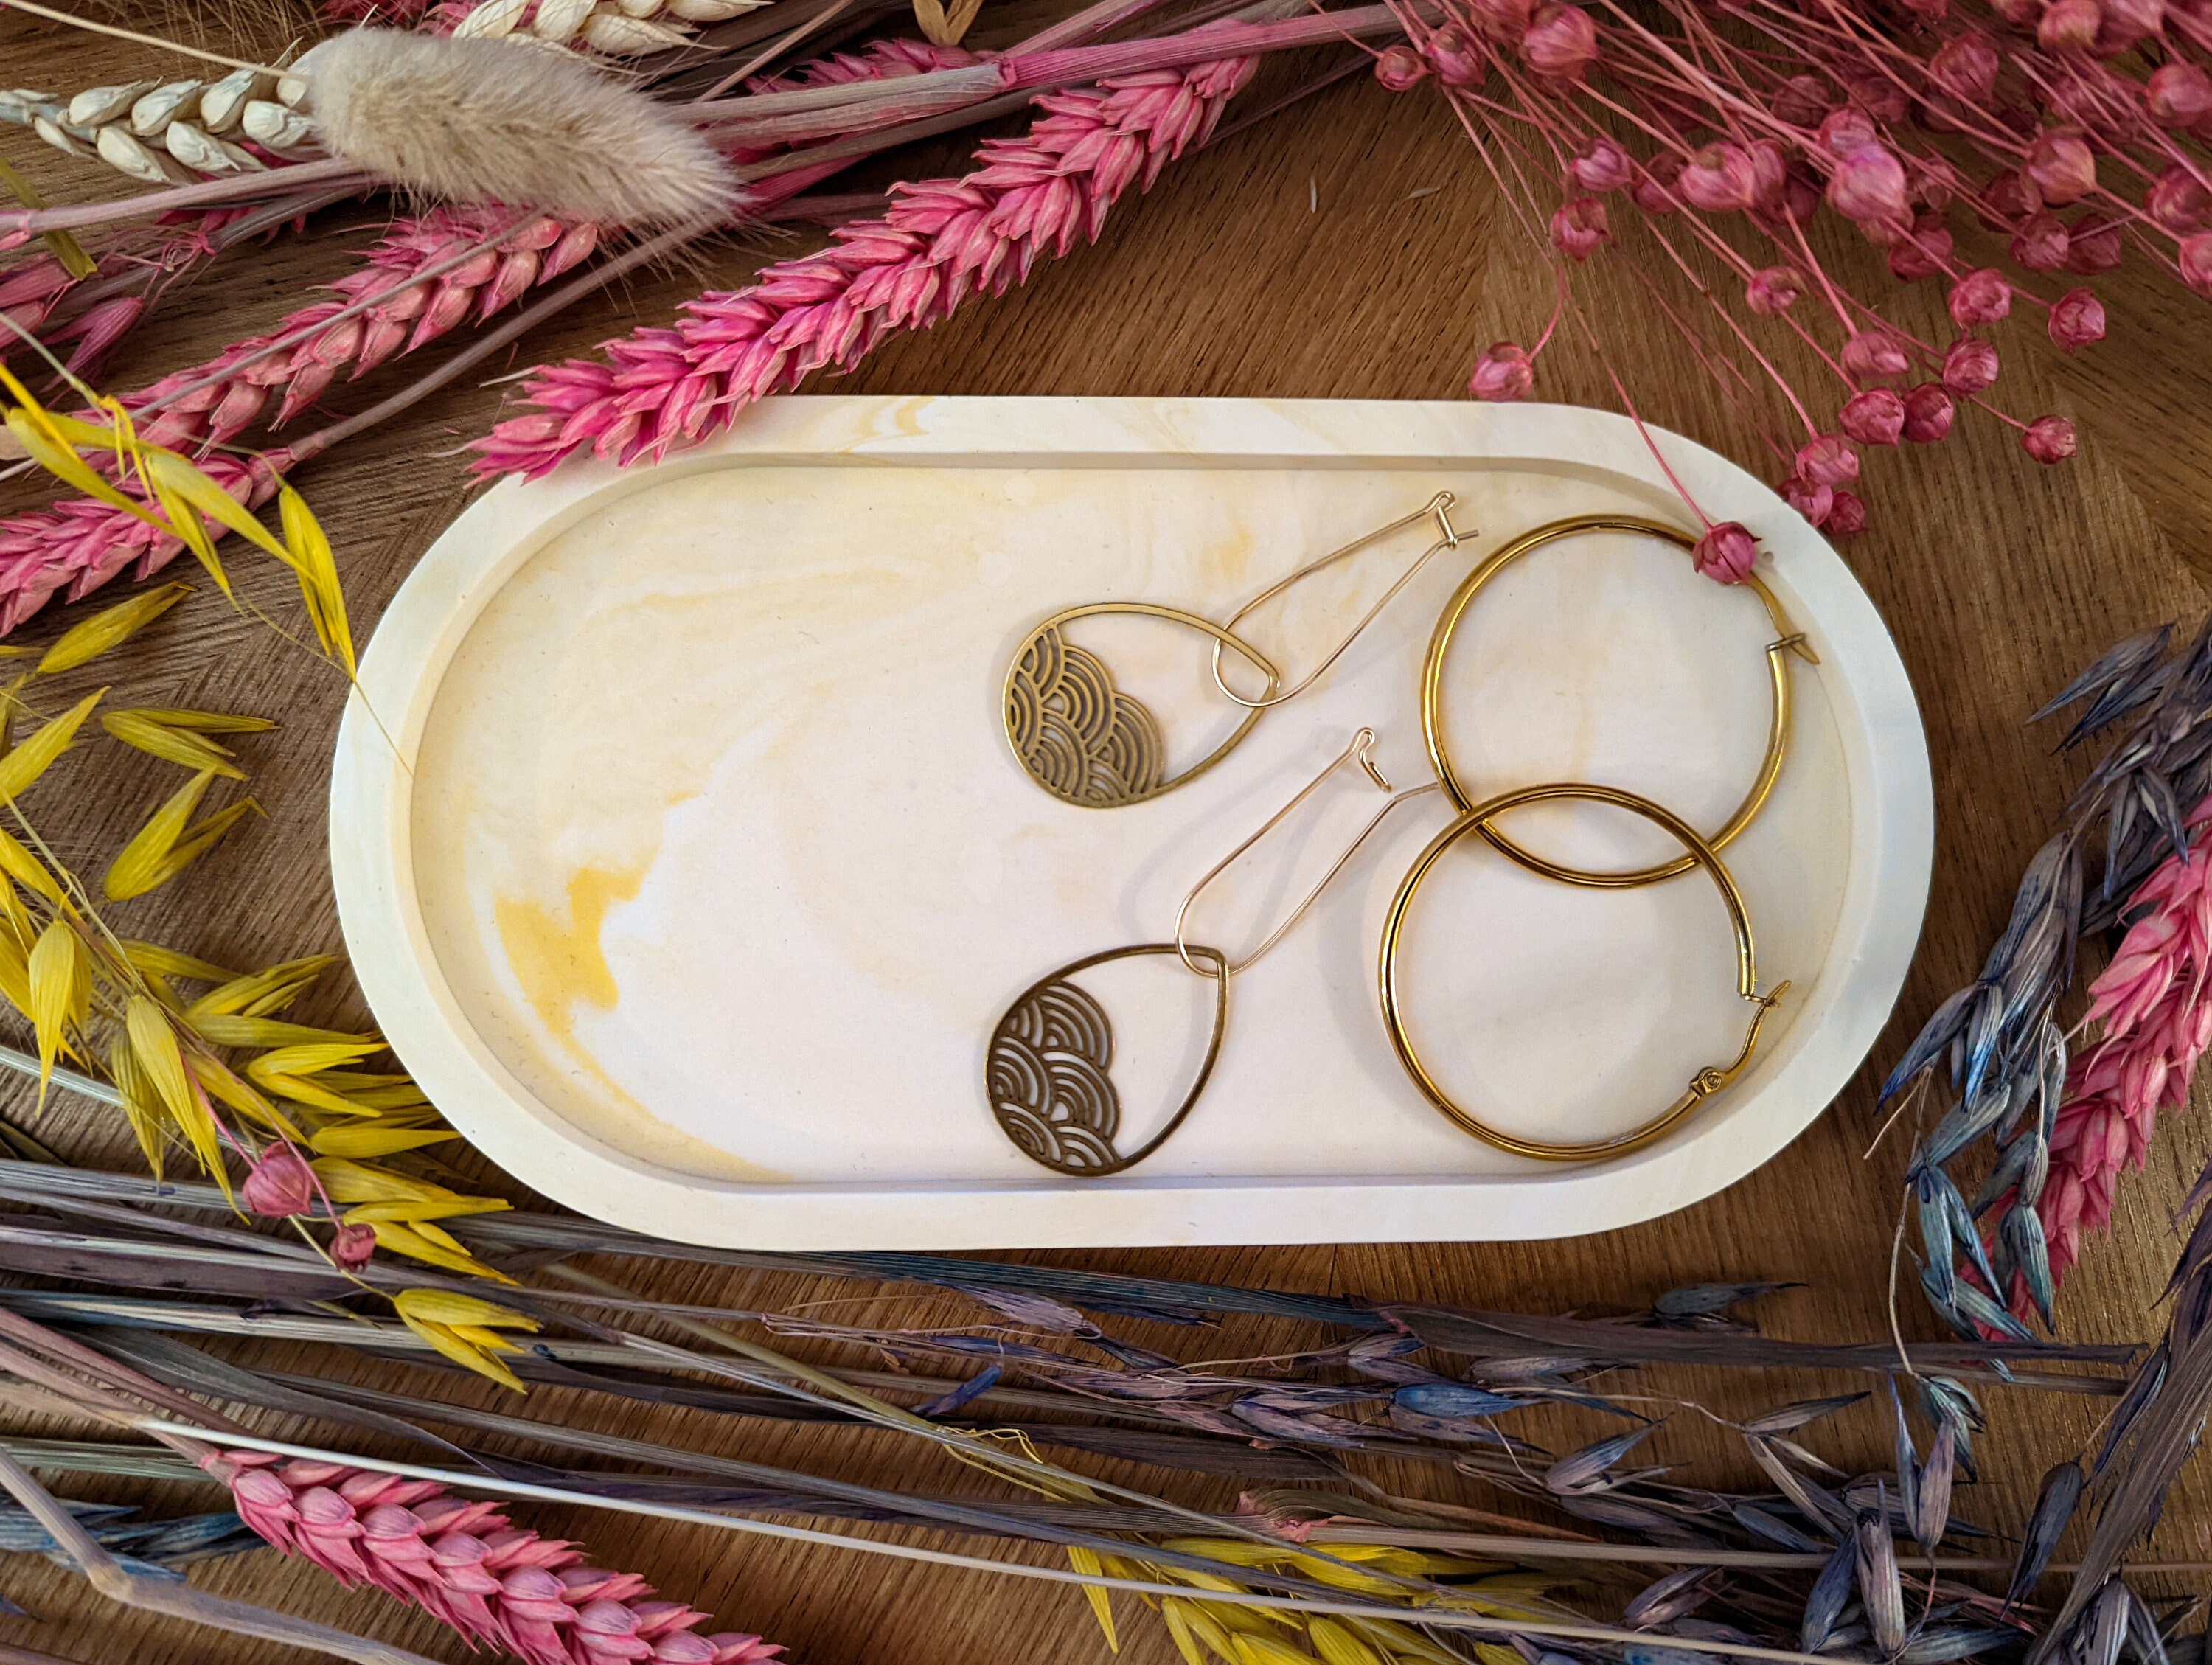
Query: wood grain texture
{"points": [[1292, 260]]}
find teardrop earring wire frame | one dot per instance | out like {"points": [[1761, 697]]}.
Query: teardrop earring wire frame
{"points": [[1086, 742], [1049, 1069], [1790, 640], [1704, 1085]]}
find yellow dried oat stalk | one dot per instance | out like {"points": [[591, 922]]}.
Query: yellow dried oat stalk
{"points": [[183, 500], [465, 1329], [189, 748], [166, 845], [22, 766], [109, 629]]}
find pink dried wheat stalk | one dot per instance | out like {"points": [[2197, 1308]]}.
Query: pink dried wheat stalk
{"points": [[2155, 1003], [943, 242], [78, 544], [466, 1566]]}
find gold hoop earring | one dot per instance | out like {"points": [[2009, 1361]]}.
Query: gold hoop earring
{"points": [[1047, 1071], [1790, 640], [1703, 1085], [1088, 743]]}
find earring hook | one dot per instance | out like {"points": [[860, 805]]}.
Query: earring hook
{"points": [[1448, 539], [1361, 751]]}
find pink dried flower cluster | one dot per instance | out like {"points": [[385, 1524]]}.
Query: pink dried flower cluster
{"points": [[943, 242], [89, 314], [501, 255], [464, 1564], [1729, 130], [77, 545], [2154, 1001], [485, 260]]}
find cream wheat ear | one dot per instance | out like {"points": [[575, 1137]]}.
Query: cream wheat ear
{"points": [[465, 120]]}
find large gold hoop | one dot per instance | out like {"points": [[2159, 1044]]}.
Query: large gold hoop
{"points": [[1790, 640], [1703, 1085]]}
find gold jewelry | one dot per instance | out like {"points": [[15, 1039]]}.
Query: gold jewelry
{"points": [[1087, 742], [1791, 640], [1047, 1071], [1703, 1085]]}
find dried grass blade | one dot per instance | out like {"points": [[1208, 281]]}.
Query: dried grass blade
{"points": [[59, 976], [319, 576], [258, 993], [109, 629], [27, 761], [173, 745], [163, 1060]]}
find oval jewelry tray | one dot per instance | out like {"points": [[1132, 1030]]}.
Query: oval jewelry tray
{"points": [[684, 860]]}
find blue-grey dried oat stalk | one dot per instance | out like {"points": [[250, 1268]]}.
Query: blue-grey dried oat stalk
{"points": [[1994, 1052]]}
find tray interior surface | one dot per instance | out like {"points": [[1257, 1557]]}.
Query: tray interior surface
{"points": [[720, 850]]}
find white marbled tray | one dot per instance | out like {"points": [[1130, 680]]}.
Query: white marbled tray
{"points": [[703, 871]]}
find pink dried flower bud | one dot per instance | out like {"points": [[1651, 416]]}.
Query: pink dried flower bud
{"points": [[1980, 297], [1873, 354], [1579, 226], [1847, 515], [1772, 291], [1874, 418], [1847, 128], [2050, 439], [1966, 68], [1401, 69], [1601, 165], [2196, 257], [2077, 320], [1812, 501], [2008, 198], [1455, 56], [1877, 94], [2093, 245], [1970, 366], [352, 1246], [1503, 375], [2040, 243], [2062, 167], [1719, 179], [2176, 202], [280, 1184], [2067, 25], [2128, 23], [1770, 172], [1921, 252], [2177, 95], [1828, 459], [1726, 552], [2020, 13], [1503, 21], [1654, 190], [1933, 10], [1869, 184], [1887, 231], [1562, 43], [1802, 100], [1928, 413]]}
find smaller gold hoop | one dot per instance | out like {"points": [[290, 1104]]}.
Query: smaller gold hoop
{"points": [[1790, 640], [1703, 1085]]}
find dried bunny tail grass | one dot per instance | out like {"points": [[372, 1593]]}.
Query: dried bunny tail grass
{"points": [[471, 121]]}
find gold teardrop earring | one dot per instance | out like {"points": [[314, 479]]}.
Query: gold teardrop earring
{"points": [[1790, 642], [1703, 1085], [1048, 1070], [1087, 742]]}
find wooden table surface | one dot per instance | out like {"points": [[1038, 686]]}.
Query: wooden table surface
{"points": [[1293, 260]]}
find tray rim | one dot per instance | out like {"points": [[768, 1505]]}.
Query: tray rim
{"points": [[438, 603]]}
